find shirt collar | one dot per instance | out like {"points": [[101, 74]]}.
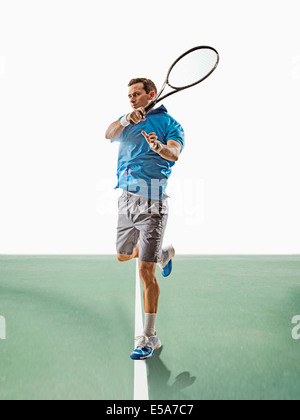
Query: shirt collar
{"points": [[159, 110]]}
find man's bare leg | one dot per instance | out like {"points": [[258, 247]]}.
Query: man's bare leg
{"points": [[151, 290]]}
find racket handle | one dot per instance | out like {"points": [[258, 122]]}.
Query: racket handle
{"points": [[150, 106]]}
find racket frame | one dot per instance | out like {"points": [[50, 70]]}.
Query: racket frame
{"points": [[158, 97]]}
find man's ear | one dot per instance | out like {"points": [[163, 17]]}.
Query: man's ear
{"points": [[153, 94]]}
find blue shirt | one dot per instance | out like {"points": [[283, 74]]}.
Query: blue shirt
{"points": [[140, 170]]}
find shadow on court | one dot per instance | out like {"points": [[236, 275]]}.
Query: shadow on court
{"points": [[159, 376]]}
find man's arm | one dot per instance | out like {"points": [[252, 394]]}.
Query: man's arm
{"points": [[170, 151], [116, 128]]}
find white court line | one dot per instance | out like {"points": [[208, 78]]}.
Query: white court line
{"points": [[140, 369]]}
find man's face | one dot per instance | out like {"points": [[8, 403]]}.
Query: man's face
{"points": [[138, 96]]}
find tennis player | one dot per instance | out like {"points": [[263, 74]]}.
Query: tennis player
{"points": [[148, 150]]}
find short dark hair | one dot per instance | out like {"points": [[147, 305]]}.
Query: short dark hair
{"points": [[149, 86]]}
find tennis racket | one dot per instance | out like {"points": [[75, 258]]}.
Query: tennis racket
{"points": [[190, 69]]}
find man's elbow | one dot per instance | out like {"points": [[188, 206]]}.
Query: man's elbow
{"points": [[107, 135], [176, 155]]}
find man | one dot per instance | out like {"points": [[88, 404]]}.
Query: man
{"points": [[150, 144]]}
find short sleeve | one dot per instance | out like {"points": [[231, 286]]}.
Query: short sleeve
{"points": [[175, 132]]}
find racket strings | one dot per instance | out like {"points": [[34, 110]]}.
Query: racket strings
{"points": [[193, 68]]}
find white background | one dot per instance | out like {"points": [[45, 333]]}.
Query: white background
{"points": [[64, 70]]}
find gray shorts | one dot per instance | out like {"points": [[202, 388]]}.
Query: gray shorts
{"points": [[141, 220]]}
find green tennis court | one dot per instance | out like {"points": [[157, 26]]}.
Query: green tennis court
{"points": [[225, 323]]}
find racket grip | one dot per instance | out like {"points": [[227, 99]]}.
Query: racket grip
{"points": [[150, 106]]}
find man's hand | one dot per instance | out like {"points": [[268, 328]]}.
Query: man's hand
{"points": [[137, 116], [153, 142], [116, 128]]}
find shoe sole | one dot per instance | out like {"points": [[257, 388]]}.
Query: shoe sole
{"points": [[168, 269]]}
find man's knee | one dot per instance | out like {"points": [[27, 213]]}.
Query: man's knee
{"points": [[123, 258], [147, 272]]}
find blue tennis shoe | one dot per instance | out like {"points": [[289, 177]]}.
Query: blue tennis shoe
{"points": [[145, 347]]}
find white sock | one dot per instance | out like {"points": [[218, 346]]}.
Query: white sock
{"points": [[149, 327]]}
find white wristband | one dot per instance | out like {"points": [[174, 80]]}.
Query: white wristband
{"points": [[124, 121]]}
